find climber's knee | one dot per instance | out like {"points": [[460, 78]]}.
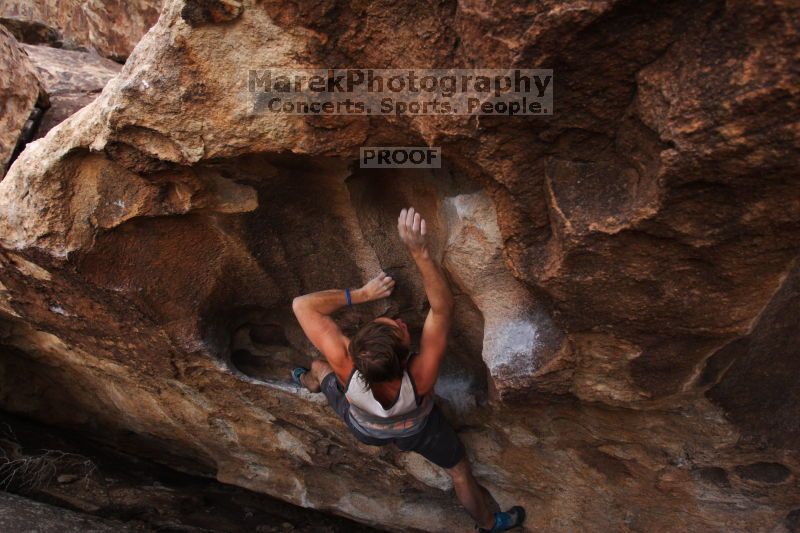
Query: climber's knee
{"points": [[320, 369], [461, 472]]}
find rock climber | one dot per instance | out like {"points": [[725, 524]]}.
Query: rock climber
{"points": [[380, 388]]}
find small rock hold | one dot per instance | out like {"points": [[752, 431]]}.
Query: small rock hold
{"points": [[67, 478], [713, 475], [199, 12], [763, 472]]}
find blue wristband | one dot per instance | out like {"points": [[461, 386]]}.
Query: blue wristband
{"points": [[347, 295]]}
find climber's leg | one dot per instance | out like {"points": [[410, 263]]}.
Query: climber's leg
{"points": [[297, 375], [471, 494], [439, 444], [322, 374], [313, 378], [320, 368]]}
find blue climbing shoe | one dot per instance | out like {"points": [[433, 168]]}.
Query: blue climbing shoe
{"points": [[296, 373], [510, 519]]}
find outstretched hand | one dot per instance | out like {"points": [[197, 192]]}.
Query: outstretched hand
{"points": [[381, 286], [413, 230]]}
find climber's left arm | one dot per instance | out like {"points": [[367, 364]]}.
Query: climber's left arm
{"points": [[313, 312]]}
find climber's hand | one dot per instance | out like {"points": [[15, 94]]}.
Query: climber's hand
{"points": [[381, 286], [413, 230]]}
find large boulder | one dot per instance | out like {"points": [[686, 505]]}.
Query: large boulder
{"points": [[20, 90], [112, 28], [65, 469], [72, 80], [624, 270]]}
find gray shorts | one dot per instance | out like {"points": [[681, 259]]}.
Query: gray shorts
{"points": [[437, 441]]}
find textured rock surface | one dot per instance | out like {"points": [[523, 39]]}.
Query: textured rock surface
{"points": [[625, 270], [72, 80], [19, 91], [27, 516], [70, 471], [111, 27]]}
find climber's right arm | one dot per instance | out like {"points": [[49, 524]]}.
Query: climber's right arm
{"points": [[425, 367], [313, 312]]}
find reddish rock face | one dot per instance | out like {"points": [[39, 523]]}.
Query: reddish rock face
{"points": [[111, 27], [625, 343], [20, 90], [71, 79]]}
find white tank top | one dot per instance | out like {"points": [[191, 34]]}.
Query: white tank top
{"points": [[406, 416], [360, 396]]}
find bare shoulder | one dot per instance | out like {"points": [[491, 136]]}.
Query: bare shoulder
{"points": [[342, 364]]}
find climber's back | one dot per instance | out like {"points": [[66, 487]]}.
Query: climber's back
{"points": [[403, 416]]}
